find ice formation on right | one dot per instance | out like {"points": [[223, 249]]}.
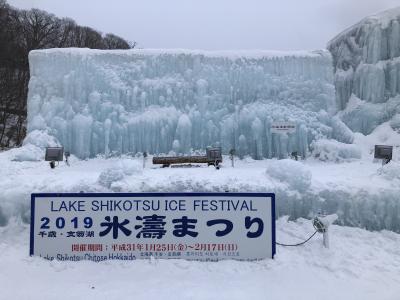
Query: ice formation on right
{"points": [[367, 71]]}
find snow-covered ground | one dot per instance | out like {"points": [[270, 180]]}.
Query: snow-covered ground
{"points": [[343, 179], [357, 188], [359, 265]]}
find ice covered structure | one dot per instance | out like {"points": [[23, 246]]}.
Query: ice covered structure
{"points": [[367, 71], [99, 102], [331, 150]]}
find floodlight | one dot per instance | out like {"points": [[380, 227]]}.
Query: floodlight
{"points": [[321, 224], [54, 154], [383, 152], [214, 154], [318, 225]]}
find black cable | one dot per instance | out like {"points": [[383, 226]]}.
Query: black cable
{"points": [[299, 244]]}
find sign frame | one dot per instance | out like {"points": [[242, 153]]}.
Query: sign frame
{"points": [[280, 127], [35, 196], [378, 153]]}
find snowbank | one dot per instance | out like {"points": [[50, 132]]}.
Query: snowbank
{"points": [[356, 190], [390, 171], [40, 139], [294, 173], [331, 150], [123, 168], [27, 153]]}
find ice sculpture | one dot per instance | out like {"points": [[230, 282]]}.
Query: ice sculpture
{"points": [[100, 102], [367, 71]]}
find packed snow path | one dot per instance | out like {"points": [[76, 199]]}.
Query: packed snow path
{"points": [[359, 265]]}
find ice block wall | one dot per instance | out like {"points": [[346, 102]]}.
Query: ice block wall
{"points": [[102, 102], [367, 71]]}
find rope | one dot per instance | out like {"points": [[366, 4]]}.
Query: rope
{"points": [[299, 244]]}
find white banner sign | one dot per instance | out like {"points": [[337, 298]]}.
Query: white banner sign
{"points": [[199, 226], [283, 127]]}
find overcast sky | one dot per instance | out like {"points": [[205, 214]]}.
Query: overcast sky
{"points": [[217, 24]]}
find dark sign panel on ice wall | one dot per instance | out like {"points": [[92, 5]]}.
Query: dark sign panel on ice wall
{"points": [[199, 226], [283, 127]]}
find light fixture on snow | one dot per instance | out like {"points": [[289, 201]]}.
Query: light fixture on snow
{"points": [[53, 155], [294, 155], [214, 156], [383, 152], [321, 224]]}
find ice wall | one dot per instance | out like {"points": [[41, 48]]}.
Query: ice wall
{"points": [[103, 102], [367, 71]]}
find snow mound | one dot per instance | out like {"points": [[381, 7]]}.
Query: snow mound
{"points": [[33, 148], [395, 123], [131, 167], [123, 168], [109, 176], [331, 150], [390, 171], [27, 152], [40, 139], [294, 173]]}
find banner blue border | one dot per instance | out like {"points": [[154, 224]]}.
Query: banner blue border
{"points": [[88, 195]]}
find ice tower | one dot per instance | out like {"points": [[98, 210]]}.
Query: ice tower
{"points": [[367, 72]]}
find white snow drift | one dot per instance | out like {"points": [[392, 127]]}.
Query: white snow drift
{"points": [[331, 150]]}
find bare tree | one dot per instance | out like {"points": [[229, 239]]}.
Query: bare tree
{"points": [[39, 29], [111, 41], [22, 31]]}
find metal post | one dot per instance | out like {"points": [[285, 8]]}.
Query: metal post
{"points": [[67, 155], [321, 223], [144, 159], [232, 156], [325, 237]]}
